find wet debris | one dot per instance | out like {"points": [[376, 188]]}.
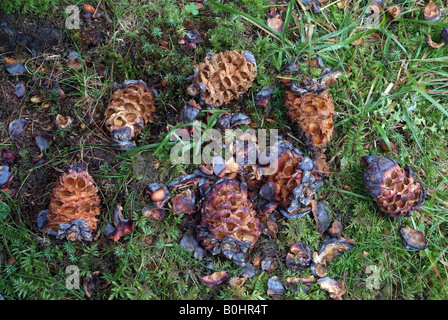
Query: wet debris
{"points": [[90, 283], [63, 122], [122, 226], [315, 62], [228, 121], [7, 156], [5, 176], [192, 38], [189, 243], [17, 127], [15, 67], [215, 279], [299, 257], [334, 288], [189, 111], [394, 10], [263, 97], [43, 142], [41, 219], [92, 30], [330, 249], [385, 147], [413, 239], [276, 290], [154, 213], [313, 5], [290, 67], [432, 12], [432, 44], [74, 61], [269, 263], [443, 39], [335, 231], [19, 90], [444, 35], [393, 188], [249, 271], [276, 19], [321, 215], [159, 197], [159, 193], [184, 202], [295, 283], [237, 282]]}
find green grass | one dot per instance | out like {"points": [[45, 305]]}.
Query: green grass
{"points": [[412, 114]]}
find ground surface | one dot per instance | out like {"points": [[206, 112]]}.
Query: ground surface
{"points": [[393, 87]]}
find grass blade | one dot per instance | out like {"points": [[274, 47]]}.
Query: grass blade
{"points": [[248, 17], [430, 99], [382, 133], [287, 19], [411, 127]]}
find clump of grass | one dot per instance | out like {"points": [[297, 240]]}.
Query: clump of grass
{"points": [[39, 8]]}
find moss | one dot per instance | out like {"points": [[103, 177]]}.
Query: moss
{"points": [[39, 8]]}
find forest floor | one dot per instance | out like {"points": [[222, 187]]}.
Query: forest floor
{"points": [[393, 88]]}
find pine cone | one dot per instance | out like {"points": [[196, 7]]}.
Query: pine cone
{"points": [[393, 188], [313, 114], [74, 205], [293, 184], [131, 107], [228, 224], [223, 77]]}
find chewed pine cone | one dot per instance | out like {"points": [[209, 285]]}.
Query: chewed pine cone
{"points": [[74, 205], [131, 108], [222, 77], [394, 189], [313, 114], [292, 185], [228, 224]]}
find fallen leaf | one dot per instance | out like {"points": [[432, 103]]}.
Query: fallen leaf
{"points": [[19, 91], [431, 43], [16, 127]]}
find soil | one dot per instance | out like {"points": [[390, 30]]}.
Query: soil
{"points": [[43, 49]]}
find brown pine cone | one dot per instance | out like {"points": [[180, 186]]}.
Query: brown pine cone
{"points": [[74, 205], [228, 224], [313, 114], [292, 186], [393, 188], [131, 108], [222, 77]]}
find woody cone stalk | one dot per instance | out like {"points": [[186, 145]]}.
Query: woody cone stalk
{"points": [[393, 188], [74, 205]]}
